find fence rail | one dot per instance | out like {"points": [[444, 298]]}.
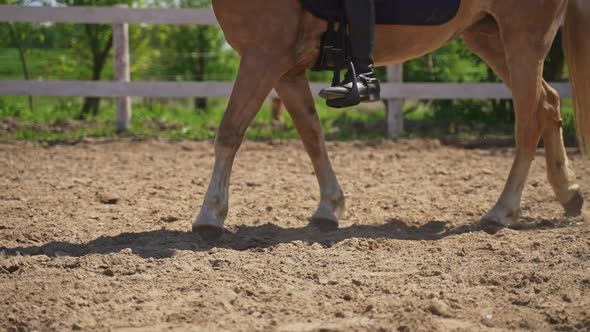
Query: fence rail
{"points": [[107, 15], [395, 91], [431, 91]]}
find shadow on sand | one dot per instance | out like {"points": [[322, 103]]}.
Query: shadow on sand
{"points": [[163, 243]]}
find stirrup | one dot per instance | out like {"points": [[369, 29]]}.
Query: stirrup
{"points": [[372, 95], [371, 89], [353, 97]]}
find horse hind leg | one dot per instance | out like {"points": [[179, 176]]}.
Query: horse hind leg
{"points": [[559, 171], [542, 110], [294, 92], [532, 100], [257, 74]]}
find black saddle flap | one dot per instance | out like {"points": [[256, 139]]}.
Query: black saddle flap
{"points": [[393, 12]]}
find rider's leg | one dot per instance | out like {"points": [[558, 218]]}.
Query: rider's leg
{"points": [[361, 19]]}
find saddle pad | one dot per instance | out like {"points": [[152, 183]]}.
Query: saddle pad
{"points": [[393, 12]]}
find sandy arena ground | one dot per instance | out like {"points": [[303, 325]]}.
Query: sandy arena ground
{"points": [[95, 236]]}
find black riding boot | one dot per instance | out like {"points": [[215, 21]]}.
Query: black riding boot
{"points": [[361, 19]]}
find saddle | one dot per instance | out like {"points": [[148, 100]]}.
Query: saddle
{"points": [[335, 44], [392, 12]]}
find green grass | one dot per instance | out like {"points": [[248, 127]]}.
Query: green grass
{"points": [[45, 64], [52, 120]]}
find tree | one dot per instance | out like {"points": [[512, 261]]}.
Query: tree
{"points": [[194, 48], [100, 50], [98, 40], [198, 49], [17, 34]]}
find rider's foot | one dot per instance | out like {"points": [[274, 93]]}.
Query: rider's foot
{"points": [[368, 88]]}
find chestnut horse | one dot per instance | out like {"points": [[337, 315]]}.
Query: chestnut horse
{"points": [[278, 41]]}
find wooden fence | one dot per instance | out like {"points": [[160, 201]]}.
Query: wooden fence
{"points": [[394, 91]]}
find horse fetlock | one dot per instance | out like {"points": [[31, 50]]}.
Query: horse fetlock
{"points": [[336, 203]]}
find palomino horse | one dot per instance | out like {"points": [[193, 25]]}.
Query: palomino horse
{"points": [[278, 41]]}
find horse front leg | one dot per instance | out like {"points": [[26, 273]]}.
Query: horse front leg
{"points": [[294, 92], [257, 74], [527, 98]]}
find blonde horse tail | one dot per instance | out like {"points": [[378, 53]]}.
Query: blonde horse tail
{"points": [[577, 49]]}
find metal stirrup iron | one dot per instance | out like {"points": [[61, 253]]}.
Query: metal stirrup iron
{"points": [[353, 97]]}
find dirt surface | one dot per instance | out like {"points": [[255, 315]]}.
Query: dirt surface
{"points": [[95, 236]]}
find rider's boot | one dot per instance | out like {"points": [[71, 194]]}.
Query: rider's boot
{"points": [[361, 18]]}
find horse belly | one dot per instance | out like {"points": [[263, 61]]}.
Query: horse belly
{"points": [[399, 43]]}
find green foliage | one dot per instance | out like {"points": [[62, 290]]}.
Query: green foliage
{"points": [[173, 119], [91, 42], [452, 63], [45, 64], [455, 63], [189, 53], [181, 53]]}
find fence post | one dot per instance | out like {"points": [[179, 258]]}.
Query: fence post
{"points": [[121, 67], [395, 115]]}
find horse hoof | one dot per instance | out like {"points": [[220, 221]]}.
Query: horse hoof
{"points": [[324, 219], [324, 224], [208, 224], [498, 218], [208, 232], [491, 225], [573, 208]]}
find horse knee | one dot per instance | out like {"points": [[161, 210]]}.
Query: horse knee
{"points": [[231, 132], [551, 107], [545, 116]]}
